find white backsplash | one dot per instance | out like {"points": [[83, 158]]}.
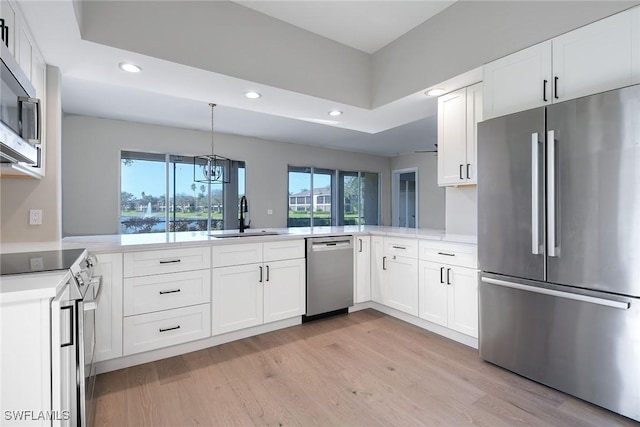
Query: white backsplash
{"points": [[461, 210]]}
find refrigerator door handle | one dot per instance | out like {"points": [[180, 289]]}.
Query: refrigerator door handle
{"points": [[535, 195], [622, 305], [551, 194]]}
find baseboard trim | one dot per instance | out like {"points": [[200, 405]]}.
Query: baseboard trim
{"points": [[163, 353], [425, 324]]}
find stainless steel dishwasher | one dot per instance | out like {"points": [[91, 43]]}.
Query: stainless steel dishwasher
{"points": [[329, 274]]}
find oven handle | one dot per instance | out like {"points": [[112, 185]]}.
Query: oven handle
{"points": [[91, 305]]}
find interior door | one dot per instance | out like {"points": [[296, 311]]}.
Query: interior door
{"points": [[510, 202], [594, 232]]}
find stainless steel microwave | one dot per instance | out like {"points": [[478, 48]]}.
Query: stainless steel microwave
{"points": [[20, 114]]}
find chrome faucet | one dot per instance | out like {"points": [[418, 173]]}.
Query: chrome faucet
{"points": [[244, 207]]}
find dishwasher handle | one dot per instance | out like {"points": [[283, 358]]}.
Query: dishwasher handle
{"points": [[330, 245]]}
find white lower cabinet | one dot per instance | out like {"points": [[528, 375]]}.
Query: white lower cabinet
{"points": [[237, 301], [261, 292], [433, 293], [284, 289], [166, 298], [362, 282], [449, 296], [109, 311], [165, 328], [462, 301], [394, 273], [377, 272], [400, 284]]}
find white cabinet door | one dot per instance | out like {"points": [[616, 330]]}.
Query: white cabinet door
{"points": [[400, 289], [284, 289], [463, 300], [24, 48], [8, 13], [452, 137], [377, 277], [363, 269], [474, 116], [237, 297], [109, 311], [597, 57], [433, 292], [518, 82]]}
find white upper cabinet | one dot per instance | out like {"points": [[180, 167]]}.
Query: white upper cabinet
{"points": [[458, 115], [8, 14], [518, 82], [601, 56], [596, 58]]}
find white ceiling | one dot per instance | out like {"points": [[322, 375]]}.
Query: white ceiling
{"points": [[172, 94], [363, 25]]}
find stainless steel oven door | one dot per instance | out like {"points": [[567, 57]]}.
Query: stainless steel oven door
{"points": [[87, 345]]}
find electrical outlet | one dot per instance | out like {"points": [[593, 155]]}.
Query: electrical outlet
{"points": [[35, 217], [37, 263], [269, 211]]}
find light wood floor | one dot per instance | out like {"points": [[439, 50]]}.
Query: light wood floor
{"points": [[361, 369]]}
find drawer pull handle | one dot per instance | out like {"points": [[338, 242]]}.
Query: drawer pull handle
{"points": [[399, 247], [446, 254], [169, 329], [170, 261], [172, 291]]}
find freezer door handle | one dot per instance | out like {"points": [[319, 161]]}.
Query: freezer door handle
{"points": [[551, 194], [622, 305], [535, 195]]}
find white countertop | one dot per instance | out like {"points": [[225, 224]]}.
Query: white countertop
{"points": [[33, 286], [132, 242]]}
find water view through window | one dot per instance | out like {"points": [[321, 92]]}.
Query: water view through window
{"points": [[158, 194]]}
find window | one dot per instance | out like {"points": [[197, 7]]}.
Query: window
{"points": [[359, 198], [158, 194], [313, 200]]}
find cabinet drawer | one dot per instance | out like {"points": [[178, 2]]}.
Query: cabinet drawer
{"points": [[401, 247], [449, 253], [287, 249], [166, 328], [228, 255], [146, 263], [166, 291]]}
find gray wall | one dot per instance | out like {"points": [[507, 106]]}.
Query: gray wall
{"points": [[227, 38], [91, 168], [462, 210], [18, 195], [431, 198]]}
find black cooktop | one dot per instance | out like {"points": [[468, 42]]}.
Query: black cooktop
{"points": [[33, 262]]}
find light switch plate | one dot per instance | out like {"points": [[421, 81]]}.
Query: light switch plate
{"points": [[269, 211], [35, 217]]}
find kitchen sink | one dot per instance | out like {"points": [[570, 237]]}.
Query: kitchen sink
{"points": [[245, 234]]}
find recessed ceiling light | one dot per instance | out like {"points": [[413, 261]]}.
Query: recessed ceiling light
{"points": [[252, 94], [435, 92], [130, 68], [335, 113]]}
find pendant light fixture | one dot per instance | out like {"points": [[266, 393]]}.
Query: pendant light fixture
{"points": [[211, 168]]}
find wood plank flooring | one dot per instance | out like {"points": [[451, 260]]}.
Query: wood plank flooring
{"points": [[361, 369]]}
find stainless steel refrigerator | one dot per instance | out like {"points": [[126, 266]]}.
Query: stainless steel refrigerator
{"points": [[559, 246]]}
